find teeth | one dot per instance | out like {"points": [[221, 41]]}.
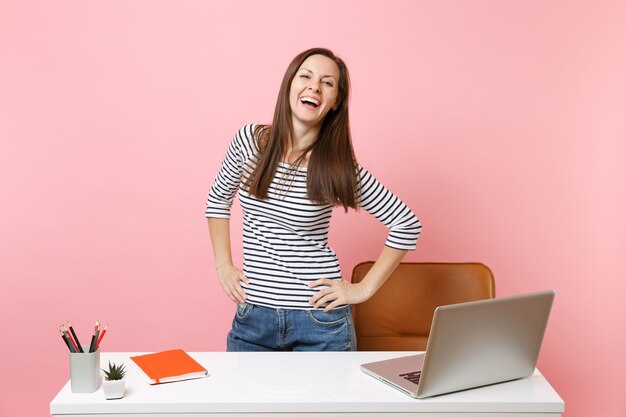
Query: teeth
{"points": [[310, 100]]}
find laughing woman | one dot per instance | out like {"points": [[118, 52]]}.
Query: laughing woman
{"points": [[289, 175]]}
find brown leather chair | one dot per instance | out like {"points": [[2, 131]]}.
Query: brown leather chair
{"points": [[399, 315]]}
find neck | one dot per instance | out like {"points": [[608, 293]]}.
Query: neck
{"points": [[303, 135]]}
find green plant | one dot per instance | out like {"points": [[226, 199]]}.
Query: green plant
{"points": [[115, 372]]}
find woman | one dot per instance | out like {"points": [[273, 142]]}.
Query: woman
{"points": [[289, 175]]}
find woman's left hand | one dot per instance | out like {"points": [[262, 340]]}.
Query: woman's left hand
{"points": [[338, 292]]}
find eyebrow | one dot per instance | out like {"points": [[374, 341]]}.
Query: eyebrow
{"points": [[324, 76]]}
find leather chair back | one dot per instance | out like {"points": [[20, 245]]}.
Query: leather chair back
{"points": [[399, 315]]}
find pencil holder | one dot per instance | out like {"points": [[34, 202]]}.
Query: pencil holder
{"points": [[85, 371]]}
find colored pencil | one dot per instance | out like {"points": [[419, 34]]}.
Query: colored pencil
{"points": [[69, 336], [66, 340], [80, 348], [101, 336], [94, 339]]}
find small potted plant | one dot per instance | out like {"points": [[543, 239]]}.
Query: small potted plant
{"points": [[113, 384]]}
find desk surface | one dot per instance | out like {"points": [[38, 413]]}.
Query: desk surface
{"points": [[315, 383]]}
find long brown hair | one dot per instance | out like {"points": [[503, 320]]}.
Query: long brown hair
{"points": [[332, 167]]}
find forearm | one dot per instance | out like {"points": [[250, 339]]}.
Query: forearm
{"points": [[386, 263], [220, 238], [338, 292], [229, 276]]}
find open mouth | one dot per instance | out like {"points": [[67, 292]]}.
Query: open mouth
{"points": [[311, 102]]}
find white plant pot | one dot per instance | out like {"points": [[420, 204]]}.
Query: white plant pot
{"points": [[113, 389]]}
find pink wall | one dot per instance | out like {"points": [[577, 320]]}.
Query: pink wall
{"points": [[501, 123]]}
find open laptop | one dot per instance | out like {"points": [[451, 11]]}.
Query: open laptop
{"points": [[471, 345]]}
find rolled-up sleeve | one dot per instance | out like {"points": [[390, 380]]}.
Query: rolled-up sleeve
{"points": [[228, 179], [404, 227]]}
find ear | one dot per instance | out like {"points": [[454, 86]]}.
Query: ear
{"points": [[334, 107]]}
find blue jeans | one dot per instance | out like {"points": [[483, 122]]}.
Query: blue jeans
{"points": [[257, 329]]}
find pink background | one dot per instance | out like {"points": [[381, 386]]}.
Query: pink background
{"points": [[501, 123]]}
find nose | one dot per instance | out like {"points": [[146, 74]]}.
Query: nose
{"points": [[315, 85]]}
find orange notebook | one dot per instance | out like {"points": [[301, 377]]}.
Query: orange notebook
{"points": [[168, 366]]}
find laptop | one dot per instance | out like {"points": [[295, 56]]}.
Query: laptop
{"points": [[472, 345]]}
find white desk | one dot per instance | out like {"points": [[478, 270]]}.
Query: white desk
{"points": [[300, 383]]}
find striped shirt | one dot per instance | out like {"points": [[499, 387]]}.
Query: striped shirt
{"points": [[285, 237]]}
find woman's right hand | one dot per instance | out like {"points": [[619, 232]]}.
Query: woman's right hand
{"points": [[230, 279]]}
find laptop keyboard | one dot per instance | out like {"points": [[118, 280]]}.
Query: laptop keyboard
{"points": [[414, 376]]}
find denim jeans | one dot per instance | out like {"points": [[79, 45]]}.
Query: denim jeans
{"points": [[256, 328]]}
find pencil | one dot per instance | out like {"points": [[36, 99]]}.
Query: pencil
{"points": [[67, 332], [92, 345], [95, 346], [101, 336], [66, 340], [80, 348]]}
